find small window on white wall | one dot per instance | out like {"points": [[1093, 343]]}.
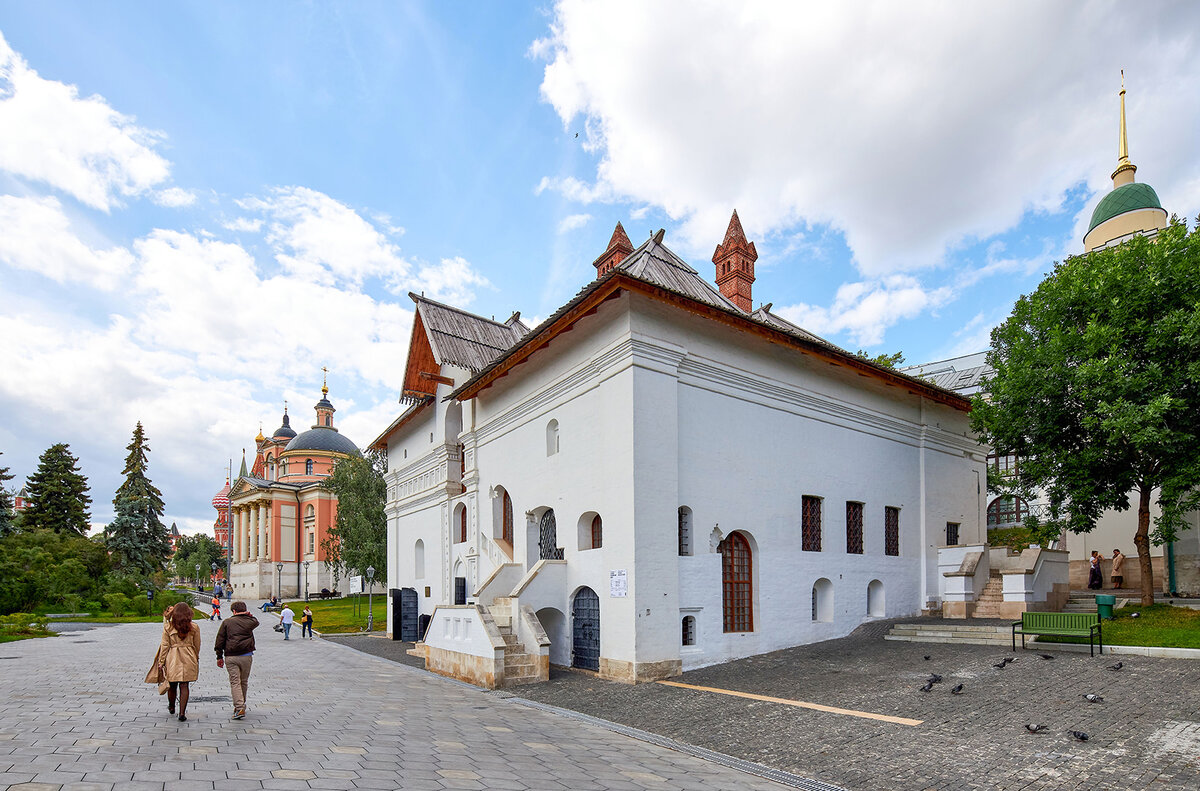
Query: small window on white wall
{"points": [[552, 438], [419, 560], [689, 630], [685, 531]]}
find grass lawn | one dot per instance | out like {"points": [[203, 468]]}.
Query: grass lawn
{"points": [[112, 619], [1157, 625], [8, 638], [337, 615]]}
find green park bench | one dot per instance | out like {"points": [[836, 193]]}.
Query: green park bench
{"points": [[1060, 624]]}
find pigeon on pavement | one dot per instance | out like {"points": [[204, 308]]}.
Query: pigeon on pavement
{"points": [[928, 686], [1032, 728], [1078, 736], [1046, 656], [928, 657], [1117, 666], [934, 678], [957, 690], [1092, 698], [1000, 665]]}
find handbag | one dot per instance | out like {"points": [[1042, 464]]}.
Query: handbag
{"points": [[163, 684], [278, 627]]}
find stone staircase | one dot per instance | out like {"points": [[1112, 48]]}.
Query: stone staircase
{"points": [[520, 667], [954, 634], [990, 599], [1081, 602]]}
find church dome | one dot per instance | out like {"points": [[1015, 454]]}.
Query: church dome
{"points": [[1125, 198], [285, 431], [221, 500], [322, 438]]}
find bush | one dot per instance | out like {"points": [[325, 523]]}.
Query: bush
{"points": [[165, 599], [72, 602], [141, 606], [24, 623], [93, 607], [118, 603]]}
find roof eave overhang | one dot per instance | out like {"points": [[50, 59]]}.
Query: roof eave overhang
{"points": [[380, 442], [616, 281]]}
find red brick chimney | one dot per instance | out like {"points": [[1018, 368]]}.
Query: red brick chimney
{"points": [[619, 247], [735, 259]]}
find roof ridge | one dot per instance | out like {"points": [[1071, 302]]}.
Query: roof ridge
{"points": [[419, 298]]}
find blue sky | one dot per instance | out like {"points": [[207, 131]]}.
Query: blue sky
{"points": [[202, 206]]}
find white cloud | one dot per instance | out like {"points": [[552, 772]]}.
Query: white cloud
{"points": [[451, 280], [37, 236], [911, 128], [78, 145], [173, 197], [244, 224], [573, 222], [864, 310]]}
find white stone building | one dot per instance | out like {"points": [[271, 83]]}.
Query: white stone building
{"points": [[665, 477]]}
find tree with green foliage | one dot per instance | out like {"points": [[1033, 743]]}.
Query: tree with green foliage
{"points": [[200, 549], [6, 503], [137, 537], [1097, 388], [885, 360], [58, 494], [359, 538], [41, 566]]}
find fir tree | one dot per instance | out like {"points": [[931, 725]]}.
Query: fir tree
{"points": [[137, 537], [6, 504], [58, 494]]}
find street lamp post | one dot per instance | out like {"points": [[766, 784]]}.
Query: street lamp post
{"points": [[197, 575], [306, 579], [279, 580], [214, 570], [370, 599]]}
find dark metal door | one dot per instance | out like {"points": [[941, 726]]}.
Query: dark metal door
{"points": [[548, 538], [460, 590], [408, 615], [585, 630]]}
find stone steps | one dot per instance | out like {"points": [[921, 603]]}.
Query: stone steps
{"points": [[520, 667], [951, 634]]}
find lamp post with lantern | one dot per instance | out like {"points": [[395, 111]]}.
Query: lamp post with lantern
{"points": [[370, 598], [279, 580], [306, 579]]}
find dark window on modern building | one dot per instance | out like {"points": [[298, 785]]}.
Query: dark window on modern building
{"points": [[810, 523], [891, 530], [854, 528]]}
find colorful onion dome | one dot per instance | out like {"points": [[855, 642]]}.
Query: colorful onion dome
{"points": [[221, 499]]}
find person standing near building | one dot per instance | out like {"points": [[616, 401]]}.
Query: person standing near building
{"points": [[287, 618], [234, 645], [1118, 569]]}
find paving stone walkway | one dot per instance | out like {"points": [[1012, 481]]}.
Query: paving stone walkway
{"points": [[75, 715]]}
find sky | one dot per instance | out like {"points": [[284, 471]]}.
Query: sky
{"points": [[203, 204]]}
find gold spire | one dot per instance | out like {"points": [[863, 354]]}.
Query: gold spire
{"points": [[260, 436], [1123, 163], [325, 374]]}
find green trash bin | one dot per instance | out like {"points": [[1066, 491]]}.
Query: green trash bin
{"points": [[1104, 606]]}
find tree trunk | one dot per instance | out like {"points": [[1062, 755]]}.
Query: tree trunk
{"points": [[1141, 539]]}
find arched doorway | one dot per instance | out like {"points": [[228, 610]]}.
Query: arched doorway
{"points": [[548, 538], [585, 630]]}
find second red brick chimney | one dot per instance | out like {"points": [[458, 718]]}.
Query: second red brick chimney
{"points": [[619, 247], [735, 259]]}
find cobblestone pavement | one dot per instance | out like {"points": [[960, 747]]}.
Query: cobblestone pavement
{"points": [[1145, 735], [74, 714]]}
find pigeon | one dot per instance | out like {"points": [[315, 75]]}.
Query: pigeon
{"points": [[1117, 666], [1008, 660], [1035, 728], [928, 686], [1046, 656], [934, 678], [1078, 736], [957, 690], [1091, 698], [928, 657], [1001, 665]]}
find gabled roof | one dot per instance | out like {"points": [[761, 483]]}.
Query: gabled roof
{"points": [[463, 339], [655, 271]]}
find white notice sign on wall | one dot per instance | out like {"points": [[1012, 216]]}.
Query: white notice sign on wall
{"points": [[617, 584]]}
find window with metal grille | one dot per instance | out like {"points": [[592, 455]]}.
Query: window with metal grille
{"points": [[597, 532], [506, 531], [1007, 511], [891, 530], [810, 523], [737, 584], [685, 531], [952, 534], [854, 528], [689, 630]]}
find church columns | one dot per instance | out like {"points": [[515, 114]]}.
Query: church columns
{"points": [[264, 540], [244, 532], [252, 517], [235, 553]]}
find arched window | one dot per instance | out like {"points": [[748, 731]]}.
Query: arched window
{"points": [[552, 438], [283, 468], [597, 532], [419, 560], [685, 531], [737, 584], [548, 548], [506, 530], [822, 600], [875, 604], [1007, 511], [460, 523], [689, 630], [462, 466], [308, 466]]}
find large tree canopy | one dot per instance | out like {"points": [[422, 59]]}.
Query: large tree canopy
{"points": [[359, 539], [58, 494], [137, 537], [198, 550], [1097, 387]]}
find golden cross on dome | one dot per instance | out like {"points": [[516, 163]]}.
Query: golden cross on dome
{"points": [[324, 381]]}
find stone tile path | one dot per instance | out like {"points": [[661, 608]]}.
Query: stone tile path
{"points": [[74, 714]]}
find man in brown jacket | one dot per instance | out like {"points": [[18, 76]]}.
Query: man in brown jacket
{"points": [[234, 645]]}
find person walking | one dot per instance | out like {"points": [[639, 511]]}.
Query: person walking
{"points": [[216, 607], [179, 657], [234, 645], [306, 619], [1118, 569], [287, 618]]}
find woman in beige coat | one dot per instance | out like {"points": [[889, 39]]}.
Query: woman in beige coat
{"points": [[179, 656]]}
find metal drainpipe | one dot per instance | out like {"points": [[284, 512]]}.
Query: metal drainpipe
{"points": [[1170, 591]]}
